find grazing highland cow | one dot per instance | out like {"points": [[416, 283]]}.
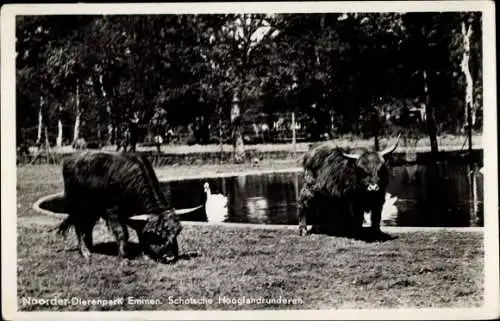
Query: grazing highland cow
{"points": [[115, 187], [339, 187]]}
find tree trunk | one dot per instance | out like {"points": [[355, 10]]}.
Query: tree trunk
{"points": [[46, 134], [376, 141], [239, 147], [40, 121], [78, 113], [220, 138], [59, 138], [431, 126], [375, 124], [112, 133], [469, 114], [109, 124]]}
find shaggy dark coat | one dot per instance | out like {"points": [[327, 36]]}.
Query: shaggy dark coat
{"points": [[339, 187], [115, 187]]}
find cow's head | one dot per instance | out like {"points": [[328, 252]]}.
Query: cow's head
{"points": [[160, 236], [370, 167]]}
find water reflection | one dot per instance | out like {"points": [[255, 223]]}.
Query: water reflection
{"points": [[476, 195], [258, 208], [441, 195]]}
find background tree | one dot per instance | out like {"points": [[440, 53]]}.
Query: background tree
{"points": [[230, 49], [341, 73]]}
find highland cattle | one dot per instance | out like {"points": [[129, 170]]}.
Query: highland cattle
{"points": [[116, 187], [340, 186]]}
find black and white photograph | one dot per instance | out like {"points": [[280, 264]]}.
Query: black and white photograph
{"points": [[263, 160]]}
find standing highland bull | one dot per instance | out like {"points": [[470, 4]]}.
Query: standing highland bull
{"points": [[115, 187], [339, 187]]}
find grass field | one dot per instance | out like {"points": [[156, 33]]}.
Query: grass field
{"points": [[417, 269]]}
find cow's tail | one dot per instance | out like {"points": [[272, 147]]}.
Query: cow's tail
{"points": [[64, 226]]}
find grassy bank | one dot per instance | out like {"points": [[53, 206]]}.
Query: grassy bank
{"points": [[35, 181], [418, 269], [422, 269], [215, 154], [445, 142]]}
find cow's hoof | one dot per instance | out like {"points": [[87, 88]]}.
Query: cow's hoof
{"points": [[85, 254], [169, 260], [147, 258], [87, 257]]}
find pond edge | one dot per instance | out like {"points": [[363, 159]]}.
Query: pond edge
{"points": [[391, 229], [163, 178]]}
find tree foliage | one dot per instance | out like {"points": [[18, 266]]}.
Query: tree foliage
{"points": [[341, 71]]}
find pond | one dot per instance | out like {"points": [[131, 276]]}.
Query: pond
{"points": [[451, 196]]}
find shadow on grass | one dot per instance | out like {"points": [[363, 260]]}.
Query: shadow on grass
{"points": [[365, 234], [133, 251]]}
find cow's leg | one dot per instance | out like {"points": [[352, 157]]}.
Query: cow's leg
{"points": [[119, 230], [376, 217], [304, 207], [123, 245], [357, 217], [81, 229], [83, 224], [333, 217], [143, 246], [337, 214], [88, 228]]}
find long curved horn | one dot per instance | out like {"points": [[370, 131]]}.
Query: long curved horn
{"points": [[389, 150], [145, 217], [141, 217], [351, 156], [187, 210]]}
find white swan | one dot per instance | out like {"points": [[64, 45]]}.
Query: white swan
{"points": [[389, 209], [215, 206]]}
